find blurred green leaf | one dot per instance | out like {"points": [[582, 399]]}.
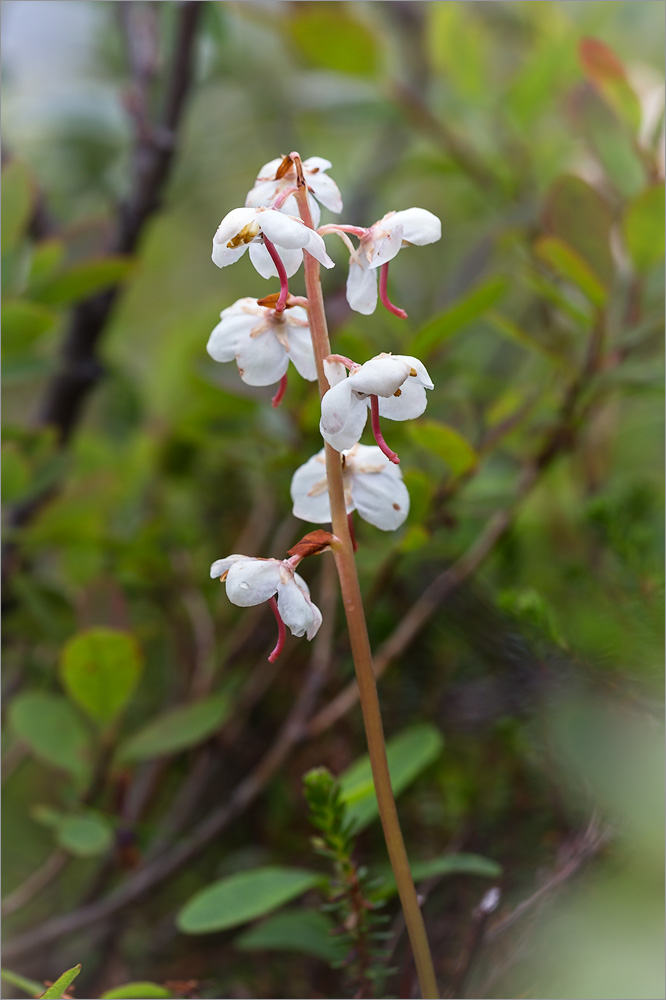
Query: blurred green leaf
{"points": [[577, 214], [235, 900], [518, 335], [100, 669], [46, 257], [29, 986], [52, 730], [138, 991], [457, 46], [459, 315], [177, 730], [570, 265], [305, 931], [613, 144], [22, 323], [61, 984], [17, 201], [446, 443], [447, 864], [607, 75], [409, 753], [84, 834], [643, 227], [330, 39], [15, 473], [84, 279]]}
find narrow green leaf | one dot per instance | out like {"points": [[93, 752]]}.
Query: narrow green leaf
{"points": [[518, 335], [177, 730], [409, 753], [138, 991], [607, 75], [46, 257], [238, 898], [350, 46], [29, 986], [445, 442], [458, 316], [17, 201], [643, 227], [52, 730], [100, 669], [305, 931], [577, 214], [15, 473], [22, 323], [447, 864], [61, 984], [86, 278], [84, 834], [570, 265]]}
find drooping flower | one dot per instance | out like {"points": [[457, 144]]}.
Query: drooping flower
{"points": [[279, 175], [244, 227], [381, 243], [391, 385], [373, 486], [251, 581], [263, 341]]}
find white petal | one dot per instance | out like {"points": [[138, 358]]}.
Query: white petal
{"points": [[232, 223], [283, 230], [326, 191], [223, 255], [310, 500], [263, 262], [297, 611], [361, 286], [300, 350], [252, 581], [315, 211], [235, 321], [315, 163], [409, 404], [334, 371], [381, 498], [418, 226], [386, 247], [421, 371], [317, 249], [380, 376], [262, 194], [343, 416], [366, 458], [269, 170], [220, 566], [262, 360]]}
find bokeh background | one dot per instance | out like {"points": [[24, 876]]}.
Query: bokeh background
{"points": [[146, 752]]}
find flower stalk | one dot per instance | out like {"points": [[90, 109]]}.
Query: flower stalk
{"points": [[358, 633]]}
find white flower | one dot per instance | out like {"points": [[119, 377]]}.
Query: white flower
{"points": [[251, 581], [383, 241], [398, 380], [242, 227], [373, 486], [263, 342], [321, 187]]}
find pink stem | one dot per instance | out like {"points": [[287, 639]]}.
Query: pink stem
{"points": [[282, 632], [347, 362], [333, 227], [282, 275], [282, 388], [383, 278], [377, 431], [350, 523], [282, 197]]}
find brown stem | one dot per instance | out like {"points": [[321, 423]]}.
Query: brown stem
{"points": [[358, 634]]}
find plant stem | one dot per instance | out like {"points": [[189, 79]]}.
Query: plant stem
{"points": [[358, 635]]}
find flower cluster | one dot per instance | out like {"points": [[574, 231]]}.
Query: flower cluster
{"points": [[263, 335]]}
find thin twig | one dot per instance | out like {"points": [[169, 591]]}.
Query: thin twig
{"points": [[35, 882]]}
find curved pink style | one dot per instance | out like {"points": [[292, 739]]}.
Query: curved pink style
{"points": [[279, 395], [383, 295], [377, 431], [282, 275], [282, 632]]}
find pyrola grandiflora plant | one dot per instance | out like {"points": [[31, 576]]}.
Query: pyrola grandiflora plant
{"points": [[279, 226]]}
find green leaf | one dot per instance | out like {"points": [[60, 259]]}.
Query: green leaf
{"points": [[349, 46], [459, 315], [84, 279], [409, 753], [100, 669], [518, 335], [305, 931], [238, 898], [61, 984], [570, 265], [445, 442], [15, 473], [138, 991], [52, 730], [46, 257], [22, 323], [17, 200], [643, 227], [29, 986], [447, 864], [577, 214], [607, 75], [177, 730], [84, 834]]}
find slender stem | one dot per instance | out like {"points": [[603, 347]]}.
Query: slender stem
{"points": [[282, 275], [350, 525], [377, 431], [358, 635], [282, 388], [282, 632], [383, 294]]}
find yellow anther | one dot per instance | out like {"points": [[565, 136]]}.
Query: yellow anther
{"points": [[246, 235]]}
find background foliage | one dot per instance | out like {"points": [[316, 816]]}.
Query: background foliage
{"points": [[145, 731]]}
